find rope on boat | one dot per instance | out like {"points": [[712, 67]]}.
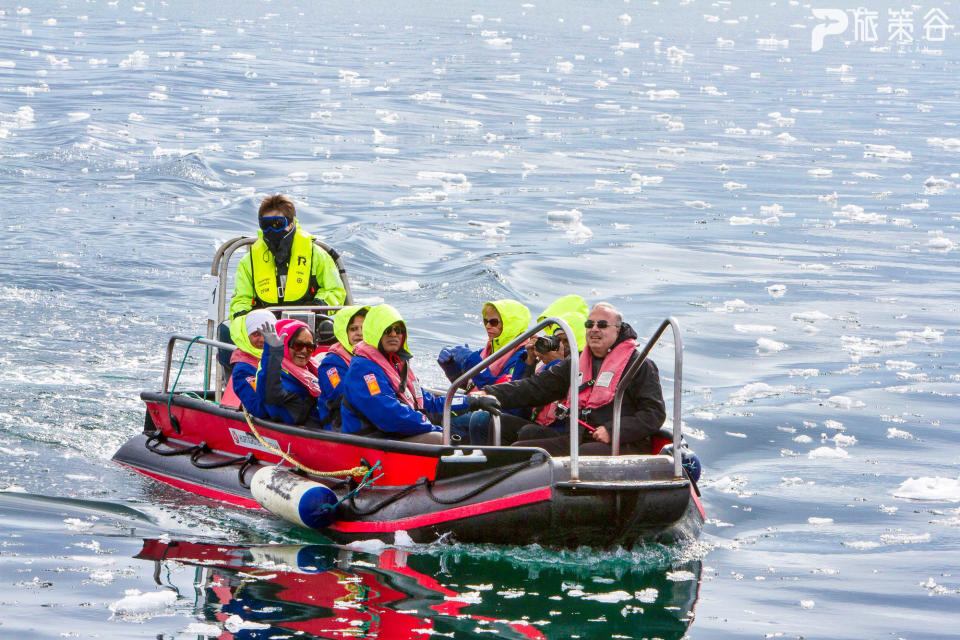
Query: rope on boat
{"points": [[361, 470], [535, 460]]}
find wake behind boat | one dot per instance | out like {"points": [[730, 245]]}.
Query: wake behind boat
{"points": [[354, 487]]}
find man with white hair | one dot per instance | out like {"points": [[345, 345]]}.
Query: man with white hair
{"points": [[610, 350]]}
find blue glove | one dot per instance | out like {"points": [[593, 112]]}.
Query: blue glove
{"points": [[450, 369], [462, 355], [446, 355]]}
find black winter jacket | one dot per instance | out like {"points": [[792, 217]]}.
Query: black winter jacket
{"points": [[643, 410]]}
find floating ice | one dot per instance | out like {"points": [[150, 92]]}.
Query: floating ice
{"points": [[820, 173], [680, 576], [466, 123], [806, 604], [754, 328], [235, 623], [905, 538], [731, 306], [844, 402], [648, 595], [369, 546], [135, 60], [926, 488], [820, 521], [756, 390], [858, 347], [645, 180], [828, 453], [893, 432], [862, 545], [202, 629], [613, 596], [564, 66], [950, 144], [885, 152], [855, 213], [137, 604], [697, 204], [662, 94], [927, 335], [940, 243], [809, 316], [844, 440], [625, 18], [404, 285], [427, 96], [776, 290], [766, 345]]}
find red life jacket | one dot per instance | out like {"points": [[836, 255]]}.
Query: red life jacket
{"points": [[341, 351], [497, 365], [230, 398], [412, 393], [604, 386]]}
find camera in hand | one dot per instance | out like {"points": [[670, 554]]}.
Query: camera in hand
{"points": [[545, 344]]}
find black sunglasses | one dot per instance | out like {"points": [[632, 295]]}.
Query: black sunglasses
{"points": [[301, 346], [601, 324], [394, 328], [274, 223], [493, 322]]}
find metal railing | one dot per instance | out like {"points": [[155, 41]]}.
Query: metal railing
{"points": [[182, 338], [574, 376], [677, 389], [219, 296]]}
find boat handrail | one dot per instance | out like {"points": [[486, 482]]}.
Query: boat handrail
{"points": [[677, 388], [184, 338], [220, 269], [496, 355]]}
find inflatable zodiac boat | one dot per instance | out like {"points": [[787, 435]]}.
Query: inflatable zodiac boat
{"points": [[354, 487]]}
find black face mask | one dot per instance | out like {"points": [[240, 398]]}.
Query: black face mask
{"points": [[280, 245]]}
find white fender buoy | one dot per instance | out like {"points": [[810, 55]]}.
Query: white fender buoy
{"points": [[295, 499]]}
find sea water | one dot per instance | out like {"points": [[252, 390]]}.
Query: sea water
{"points": [[781, 178]]}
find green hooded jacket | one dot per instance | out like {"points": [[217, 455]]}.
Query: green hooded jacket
{"points": [[573, 310], [515, 317], [378, 319], [238, 333], [341, 320]]}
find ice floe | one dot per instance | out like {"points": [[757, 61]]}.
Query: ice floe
{"points": [[828, 453], [755, 391], [766, 345], [136, 604], [930, 488]]}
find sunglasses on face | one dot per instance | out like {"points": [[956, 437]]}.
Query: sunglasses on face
{"points": [[274, 223], [493, 322], [298, 346], [600, 324], [394, 328]]}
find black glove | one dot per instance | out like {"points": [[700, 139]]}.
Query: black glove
{"points": [[489, 404]]}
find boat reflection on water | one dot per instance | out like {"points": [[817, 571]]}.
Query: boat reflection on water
{"points": [[325, 591]]}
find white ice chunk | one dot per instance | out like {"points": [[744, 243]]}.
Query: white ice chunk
{"points": [[766, 345], [926, 488], [828, 453], [135, 603]]}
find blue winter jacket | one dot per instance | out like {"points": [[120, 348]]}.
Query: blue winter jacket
{"points": [[330, 376], [284, 398], [245, 391], [379, 404]]}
